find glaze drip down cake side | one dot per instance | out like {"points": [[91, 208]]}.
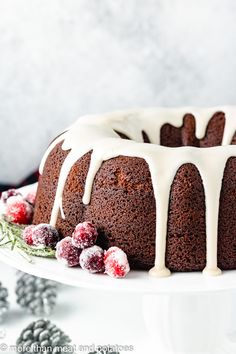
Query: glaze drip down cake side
{"points": [[158, 183]]}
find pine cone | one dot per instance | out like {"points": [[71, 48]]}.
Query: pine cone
{"points": [[4, 304], [42, 336], [38, 295]]}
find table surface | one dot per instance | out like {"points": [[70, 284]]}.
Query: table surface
{"points": [[88, 316]]}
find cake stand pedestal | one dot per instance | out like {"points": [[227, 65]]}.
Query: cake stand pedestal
{"points": [[186, 313], [185, 323]]}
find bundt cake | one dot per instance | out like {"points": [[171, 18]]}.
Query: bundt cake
{"points": [[158, 183]]}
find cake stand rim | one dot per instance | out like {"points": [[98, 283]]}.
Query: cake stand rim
{"points": [[135, 282]]}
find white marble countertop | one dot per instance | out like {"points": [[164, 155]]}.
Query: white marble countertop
{"points": [[90, 317]]}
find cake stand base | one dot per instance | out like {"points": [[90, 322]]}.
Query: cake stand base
{"points": [[195, 323]]}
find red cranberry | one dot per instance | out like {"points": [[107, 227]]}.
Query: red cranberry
{"points": [[27, 235], [7, 194], [45, 235], [116, 262], [84, 235], [91, 259], [18, 210], [66, 253], [30, 197]]}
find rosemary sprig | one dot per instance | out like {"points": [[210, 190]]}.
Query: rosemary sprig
{"points": [[11, 234]]}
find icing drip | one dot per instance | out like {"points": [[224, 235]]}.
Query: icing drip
{"points": [[61, 210], [97, 133]]}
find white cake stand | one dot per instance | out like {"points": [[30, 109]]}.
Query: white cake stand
{"points": [[186, 313]]}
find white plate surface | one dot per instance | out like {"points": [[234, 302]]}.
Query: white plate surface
{"points": [[136, 281]]}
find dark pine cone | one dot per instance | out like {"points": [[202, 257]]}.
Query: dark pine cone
{"points": [[38, 295], [42, 336], [4, 304]]}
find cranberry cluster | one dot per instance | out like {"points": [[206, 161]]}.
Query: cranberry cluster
{"points": [[80, 249]]}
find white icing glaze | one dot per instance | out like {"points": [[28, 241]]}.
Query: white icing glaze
{"points": [[61, 210], [97, 133]]}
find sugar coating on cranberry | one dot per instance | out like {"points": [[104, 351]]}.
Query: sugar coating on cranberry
{"points": [[27, 234], [18, 210], [30, 197], [66, 253], [116, 262], [9, 193], [84, 235], [91, 259], [45, 235]]}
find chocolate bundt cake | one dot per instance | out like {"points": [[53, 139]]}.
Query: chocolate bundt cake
{"points": [[158, 183]]}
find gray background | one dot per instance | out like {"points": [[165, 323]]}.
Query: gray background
{"points": [[63, 58]]}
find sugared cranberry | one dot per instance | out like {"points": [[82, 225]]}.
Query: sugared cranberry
{"points": [[27, 234], [45, 235], [30, 197], [66, 253], [84, 235], [91, 259], [116, 262], [7, 194], [18, 210]]}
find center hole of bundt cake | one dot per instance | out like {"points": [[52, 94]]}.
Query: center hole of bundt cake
{"points": [[185, 135], [172, 136]]}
